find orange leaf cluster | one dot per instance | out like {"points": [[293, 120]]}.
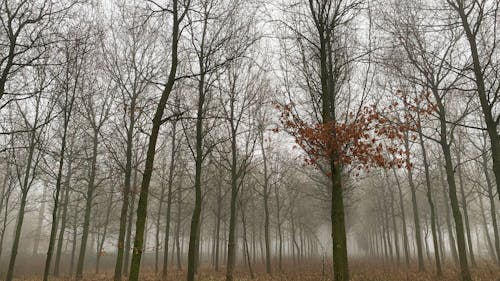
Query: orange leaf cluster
{"points": [[367, 140]]}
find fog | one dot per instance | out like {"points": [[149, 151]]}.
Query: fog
{"points": [[232, 139]]}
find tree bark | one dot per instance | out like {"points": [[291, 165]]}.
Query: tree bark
{"points": [[479, 75], [126, 194], [452, 191], [150, 155], [266, 206], [170, 184], [403, 217], [88, 207], [416, 220], [493, 212], [41, 213], [60, 239], [25, 187], [245, 241], [464, 206], [430, 201]]}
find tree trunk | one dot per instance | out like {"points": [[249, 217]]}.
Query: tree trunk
{"points": [[451, 238], [41, 213], [464, 203], [17, 236], [217, 226], [486, 230], [88, 207], [74, 240], [30, 167], [231, 246], [53, 230], [394, 224], [100, 244], [178, 227], [493, 213], [4, 205], [430, 200], [278, 223], [416, 220], [403, 217], [245, 241], [60, 239], [340, 263], [193, 250], [150, 155], [130, 222], [452, 192], [126, 193], [479, 75], [169, 199], [266, 206]]}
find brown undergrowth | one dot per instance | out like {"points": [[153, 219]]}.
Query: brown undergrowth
{"points": [[361, 270]]}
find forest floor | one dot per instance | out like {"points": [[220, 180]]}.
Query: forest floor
{"points": [[364, 270]]}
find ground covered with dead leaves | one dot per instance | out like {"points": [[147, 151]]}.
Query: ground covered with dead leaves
{"points": [[361, 270]]}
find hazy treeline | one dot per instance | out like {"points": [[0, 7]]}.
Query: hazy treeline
{"points": [[154, 134]]}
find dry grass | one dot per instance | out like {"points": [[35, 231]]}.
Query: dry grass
{"points": [[361, 270]]}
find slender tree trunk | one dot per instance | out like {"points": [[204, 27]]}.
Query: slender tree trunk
{"points": [[150, 154], [60, 239], [100, 244], [395, 227], [170, 184], [493, 212], [430, 200], [452, 192], [88, 207], [30, 166], [340, 263], [178, 227], [403, 217], [416, 220], [278, 223], [158, 224], [17, 236], [41, 213], [4, 205], [464, 204], [245, 241], [451, 238], [231, 249], [217, 226], [486, 230], [53, 230], [483, 93], [387, 228], [193, 250], [266, 206], [130, 222], [126, 193], [74, 240]]}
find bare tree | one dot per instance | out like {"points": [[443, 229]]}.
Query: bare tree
{"points": [[178, 11]]}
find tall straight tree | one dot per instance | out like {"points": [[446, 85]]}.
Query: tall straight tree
{"points": [[96, 102], [320, 28], [178, 11], [69, 84], [131, 64], [432, 81], [174, 155], [27, 158], [215, 32], [240, 85], [476, 18]]}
